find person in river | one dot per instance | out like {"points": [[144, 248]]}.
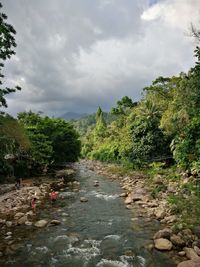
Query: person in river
{"points": [[33, 203], [53, 195]]}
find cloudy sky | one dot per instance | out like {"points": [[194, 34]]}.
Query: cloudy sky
{"points": [[76, 55]]}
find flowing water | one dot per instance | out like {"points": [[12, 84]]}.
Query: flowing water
{"points": [[97, 233]]}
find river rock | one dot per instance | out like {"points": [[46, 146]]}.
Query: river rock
{"points": [[30, 214], [196, 243], [9, 251], [129, 253], [181, 253], [2, 221], [65, 214], [170, 219], [41, 223], [22, 220], [129, 207], [9, 233], [163, 244], [128, 200], [55, 222], [123, 195], [160, 213], [177, 241], [64, 173], [197, 250], [172, 188], [15, 246], [96, 183], [83, 199], [149, 247], [76, 190], [76, 183], [28, 223], [74, 238], [190, 263], [9, 223], [8, 237], [137, 197], [191, 254], [18, 215], [164, 233]]}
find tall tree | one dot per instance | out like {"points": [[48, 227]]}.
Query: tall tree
{"points": [[100, 123], [7, 45]]}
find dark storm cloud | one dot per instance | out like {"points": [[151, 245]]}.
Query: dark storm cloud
{"points": [[74, 55]]}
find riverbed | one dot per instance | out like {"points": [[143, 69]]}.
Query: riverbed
{"points": [[99, 232]]}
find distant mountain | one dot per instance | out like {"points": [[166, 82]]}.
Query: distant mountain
{"points": [[72, 115]]}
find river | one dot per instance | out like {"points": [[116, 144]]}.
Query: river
{"points": [[97, 233]]}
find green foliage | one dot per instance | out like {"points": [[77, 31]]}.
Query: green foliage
{"points": [[157, 189], [149, 142], [100, 128], [187, 146], [13, 143], [123, 106], [7, 45], [87, 123], [183, 206], [52, 140]]}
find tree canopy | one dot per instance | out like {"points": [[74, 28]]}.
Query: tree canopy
{"points": [[7, 45]]}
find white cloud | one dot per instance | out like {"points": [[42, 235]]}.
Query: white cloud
{"points": [[174, 13]]}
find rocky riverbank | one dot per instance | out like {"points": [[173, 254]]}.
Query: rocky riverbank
{"points": [[16, 214], [184, 242]]}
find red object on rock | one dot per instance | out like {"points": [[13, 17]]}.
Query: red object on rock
{"points": [[53, 195]]}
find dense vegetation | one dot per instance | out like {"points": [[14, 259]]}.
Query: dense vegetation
{"points": [[163, 125], [33, 143], [30, 143]]}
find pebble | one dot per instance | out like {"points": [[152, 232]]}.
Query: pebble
{"points": [[8, 223], [181, 253], [8, 237], [65, 214], [83, 199], [9, 233]]}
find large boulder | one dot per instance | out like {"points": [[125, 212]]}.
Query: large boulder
{"points": [[163, 244]]}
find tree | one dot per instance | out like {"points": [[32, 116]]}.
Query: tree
{"points": [[123, 106], [7, 45], [13, 143], [52, 140], [100, 128]]}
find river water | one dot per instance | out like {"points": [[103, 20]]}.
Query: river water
{"points": [[97, 233]]}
